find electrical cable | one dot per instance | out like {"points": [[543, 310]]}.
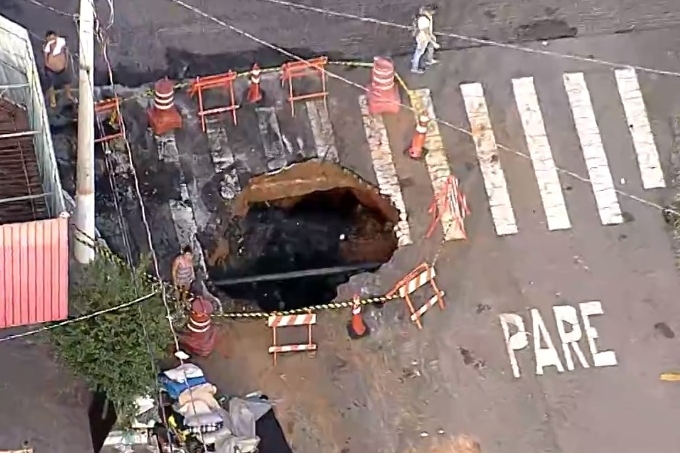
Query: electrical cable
{"points": [[411, 108], [78, 319], [480, 41], [122, 223], [101, 37], [376, 21], [133, 173], [75, 15], [340, 78], [48, 7]]}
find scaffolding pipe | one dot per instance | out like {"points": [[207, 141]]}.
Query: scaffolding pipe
{"points": [[24, 198], [18, 134], [84, 218], [16, 85], [296, 274]]}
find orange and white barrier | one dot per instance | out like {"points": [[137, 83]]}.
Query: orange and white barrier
{"points": [[450, 201], [276, 321], [109, 110], [223, 82], [416, 279], [296, 70]]}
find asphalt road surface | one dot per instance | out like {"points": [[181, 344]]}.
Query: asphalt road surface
{"points": [[611, 255], [162, 37], [562, 233]]}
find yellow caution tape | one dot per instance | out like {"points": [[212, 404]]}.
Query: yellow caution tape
{"points": [[409, 92], [179, 86], [311, 308], [173, 292], [352, 64]]}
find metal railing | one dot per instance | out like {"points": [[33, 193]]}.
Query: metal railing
{"points": [[20, 84]]}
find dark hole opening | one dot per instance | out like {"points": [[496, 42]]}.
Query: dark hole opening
{"points": [[328, 230]]}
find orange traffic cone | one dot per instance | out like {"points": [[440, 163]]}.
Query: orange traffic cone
{"points": [[417, 148], [254, 94], [357, 328]]}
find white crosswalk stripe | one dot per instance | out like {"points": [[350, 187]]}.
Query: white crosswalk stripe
{"points": [[436, 161], [322, 131], [536, 134], [385, 171], [593, 150], [640, 130], [489, 162], [541, 154], [507, 214]]}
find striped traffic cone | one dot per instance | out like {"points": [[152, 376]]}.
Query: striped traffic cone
{"points": [[254, 94], [417, 148], [356, 327]]}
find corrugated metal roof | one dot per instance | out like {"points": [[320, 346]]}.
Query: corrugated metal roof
{"points": [[34, 259]]}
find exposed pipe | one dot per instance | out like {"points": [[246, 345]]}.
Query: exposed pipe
{"points": [[296, 274]]}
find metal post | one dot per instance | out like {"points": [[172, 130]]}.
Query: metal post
{"points": [[84, 218]]}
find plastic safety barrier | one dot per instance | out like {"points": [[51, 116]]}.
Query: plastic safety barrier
{"points": [[218, 81], [277, 321], [452, 200], [297, 69], [108, 111], [416, 279]]}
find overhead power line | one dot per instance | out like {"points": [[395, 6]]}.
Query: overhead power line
{"points": [[78, 319], [480, 41]]}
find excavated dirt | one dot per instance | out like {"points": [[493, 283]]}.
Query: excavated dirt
{"points": [[309, 216]]}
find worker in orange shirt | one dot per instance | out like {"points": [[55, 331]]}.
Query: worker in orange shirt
{"points": [[183, 274]]}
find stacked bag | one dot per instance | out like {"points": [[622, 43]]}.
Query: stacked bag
{"points": [[200, 413], [194, 398]]}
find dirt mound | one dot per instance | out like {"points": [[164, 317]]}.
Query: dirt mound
{"points": [[287, 187]]}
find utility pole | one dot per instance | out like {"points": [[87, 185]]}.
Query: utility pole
{"points": [[84, 248]]}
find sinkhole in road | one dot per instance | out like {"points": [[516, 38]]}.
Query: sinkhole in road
{"points": [[316, 220]]}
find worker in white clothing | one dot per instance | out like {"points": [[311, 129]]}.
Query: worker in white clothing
{"points": [[57, 70], [426, 41]]}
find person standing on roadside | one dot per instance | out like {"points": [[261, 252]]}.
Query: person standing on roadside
{"points": [[56, 67], [426, 41], [183, 274]]}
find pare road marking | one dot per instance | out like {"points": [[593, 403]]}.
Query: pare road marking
{"points": [[570, 330]]}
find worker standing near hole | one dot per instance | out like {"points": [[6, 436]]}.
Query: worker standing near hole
{"points": [[183, 274], [57, 70], [426, 41]]}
